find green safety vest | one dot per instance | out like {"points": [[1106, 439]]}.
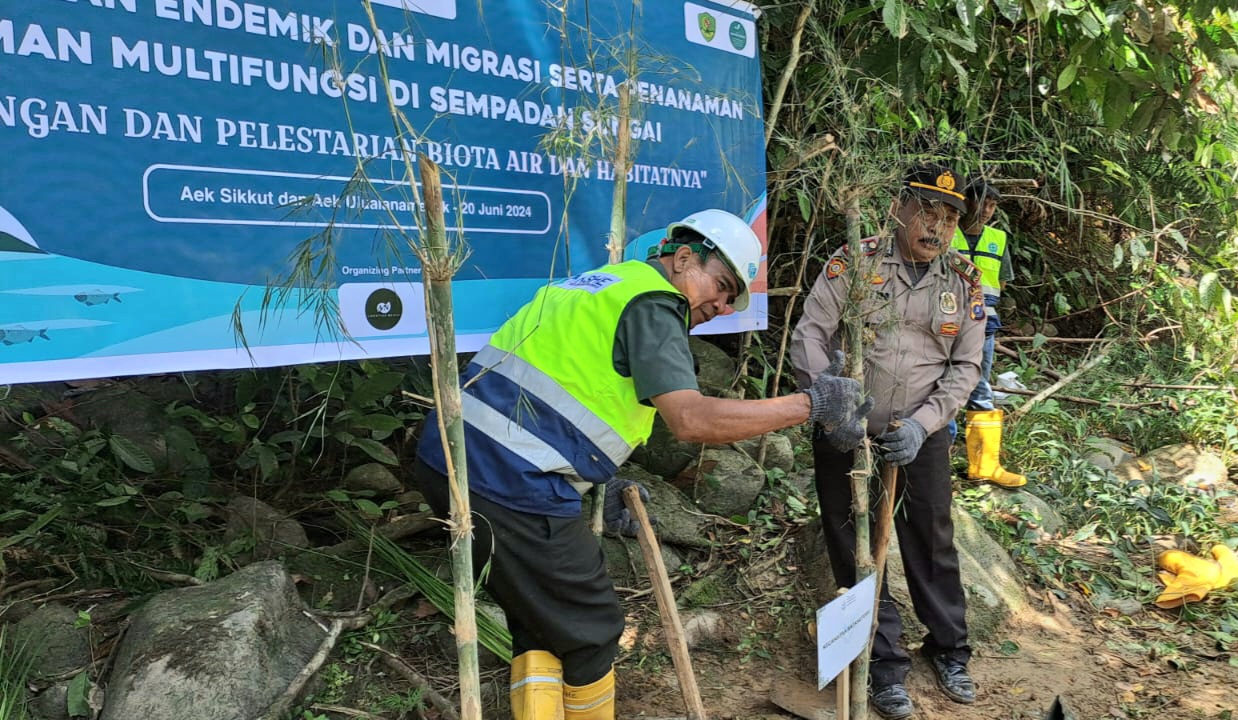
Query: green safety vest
{"points": [[987, 257], [574, 415]]}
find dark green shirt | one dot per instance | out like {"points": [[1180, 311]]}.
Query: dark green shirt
{"points": [[651, 344]]}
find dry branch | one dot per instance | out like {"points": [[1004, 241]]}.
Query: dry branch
{"points": [[400, 528], [393, 661], [1062, 383], [279, 709], [1087, 401]]}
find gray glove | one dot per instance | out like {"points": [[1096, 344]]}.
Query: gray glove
{"points": [[900, 446], [836, 405], [615, 515]]}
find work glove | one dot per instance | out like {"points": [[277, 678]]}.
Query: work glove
{"points": [[617, 518], [1189, 578], [836, 405], [901, 445]]}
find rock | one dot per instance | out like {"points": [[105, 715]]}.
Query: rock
{"points": [[729, 482], [1107, 453], [225, 650], [625, 563], [704, 628], [715, 369], [274, 533], [716, 587], [662, 454], [374, 477], [1047, 519], [1125, 605], [779, 453], [121, 409], [1184, 465], [52, 703], [677, 519], [58, 647], [991, 581]]}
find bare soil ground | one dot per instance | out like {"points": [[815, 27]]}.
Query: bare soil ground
{"points": [[1104, 666]]}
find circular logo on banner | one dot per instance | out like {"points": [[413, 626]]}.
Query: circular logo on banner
{"points": [[739, 36], [383, 309]]}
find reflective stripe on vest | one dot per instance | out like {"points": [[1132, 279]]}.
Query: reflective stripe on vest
{"points": [[987, 257], [546, 388]]}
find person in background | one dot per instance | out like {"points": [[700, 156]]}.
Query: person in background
{"points": [[923, 319], [556, 402], [986, 248]]}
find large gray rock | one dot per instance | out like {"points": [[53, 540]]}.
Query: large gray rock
{"points": [[57, 647], [1184, 465], [225, 650], [715, 370], [625, 562], [374, 477], [662, 454], [1046, 518], [274, 533], [991, 581], [779, 452], [729, 481], [1106, 453], [678, 520]]}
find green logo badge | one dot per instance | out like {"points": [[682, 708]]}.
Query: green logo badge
{"points": [[708, 25], [739, 36]]}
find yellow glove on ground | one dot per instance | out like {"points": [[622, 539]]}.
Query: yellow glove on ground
{"points": [[1189, 578]]}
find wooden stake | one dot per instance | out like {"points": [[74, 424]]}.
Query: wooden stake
{"points": [[666, 605]]}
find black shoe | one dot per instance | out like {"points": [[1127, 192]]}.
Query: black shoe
{"points": [[891, 701], [953, 679]]}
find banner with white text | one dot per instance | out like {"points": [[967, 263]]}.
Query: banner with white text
{"points": [[208, 184]]}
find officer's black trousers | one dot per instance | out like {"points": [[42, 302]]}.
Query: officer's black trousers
{"points": [[549, 576], [926, 540]]}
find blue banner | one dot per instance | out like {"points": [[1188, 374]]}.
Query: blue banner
{"points": [[202, 184]]}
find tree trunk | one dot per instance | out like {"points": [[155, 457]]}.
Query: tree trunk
{"points": [[439, 267]]}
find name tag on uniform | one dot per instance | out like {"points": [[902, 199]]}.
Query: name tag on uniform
{"points": [[949, 303], [592, 282]]}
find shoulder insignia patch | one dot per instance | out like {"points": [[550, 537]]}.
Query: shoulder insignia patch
{"points": [[870, 246], [975, 302], [835, 267], [964, 268]]}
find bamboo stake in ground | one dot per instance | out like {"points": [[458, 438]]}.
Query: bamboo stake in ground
{"points": [[617, 239], [861, 470], [439, 267], [666, 605]]}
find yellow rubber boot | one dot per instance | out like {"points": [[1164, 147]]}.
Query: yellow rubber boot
{"points": [[984, 449], [537, 686], [1228, 562], [595, 701], [1187, 578]]}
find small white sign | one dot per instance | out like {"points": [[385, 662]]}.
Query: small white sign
{"points": [[719, 30], [843, 627]]}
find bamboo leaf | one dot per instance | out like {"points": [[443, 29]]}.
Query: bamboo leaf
{"points": [[804, 203], [126, 451]]}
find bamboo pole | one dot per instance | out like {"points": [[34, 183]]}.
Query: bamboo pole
{"points": [[667, 608], [861, 470], [616, 240], [788, 71], [439, 266]]}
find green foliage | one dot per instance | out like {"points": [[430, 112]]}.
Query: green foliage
{"points": [[15, 663]]}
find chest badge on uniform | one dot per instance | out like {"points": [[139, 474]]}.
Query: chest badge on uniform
{"points": [[834, 268], [949, 303], [875, 279], [949, 329]]}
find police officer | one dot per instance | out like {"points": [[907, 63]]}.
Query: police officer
{"points": [[986, 247], [557, 400], [923, 317]]}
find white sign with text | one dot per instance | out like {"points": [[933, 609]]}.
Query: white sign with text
{"points": [[843, 627]]}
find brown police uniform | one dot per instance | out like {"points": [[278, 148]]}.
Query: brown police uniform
{"points": [[922, 348]]}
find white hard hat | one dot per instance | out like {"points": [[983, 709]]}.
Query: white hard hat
{"points": [[733, 239]]}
